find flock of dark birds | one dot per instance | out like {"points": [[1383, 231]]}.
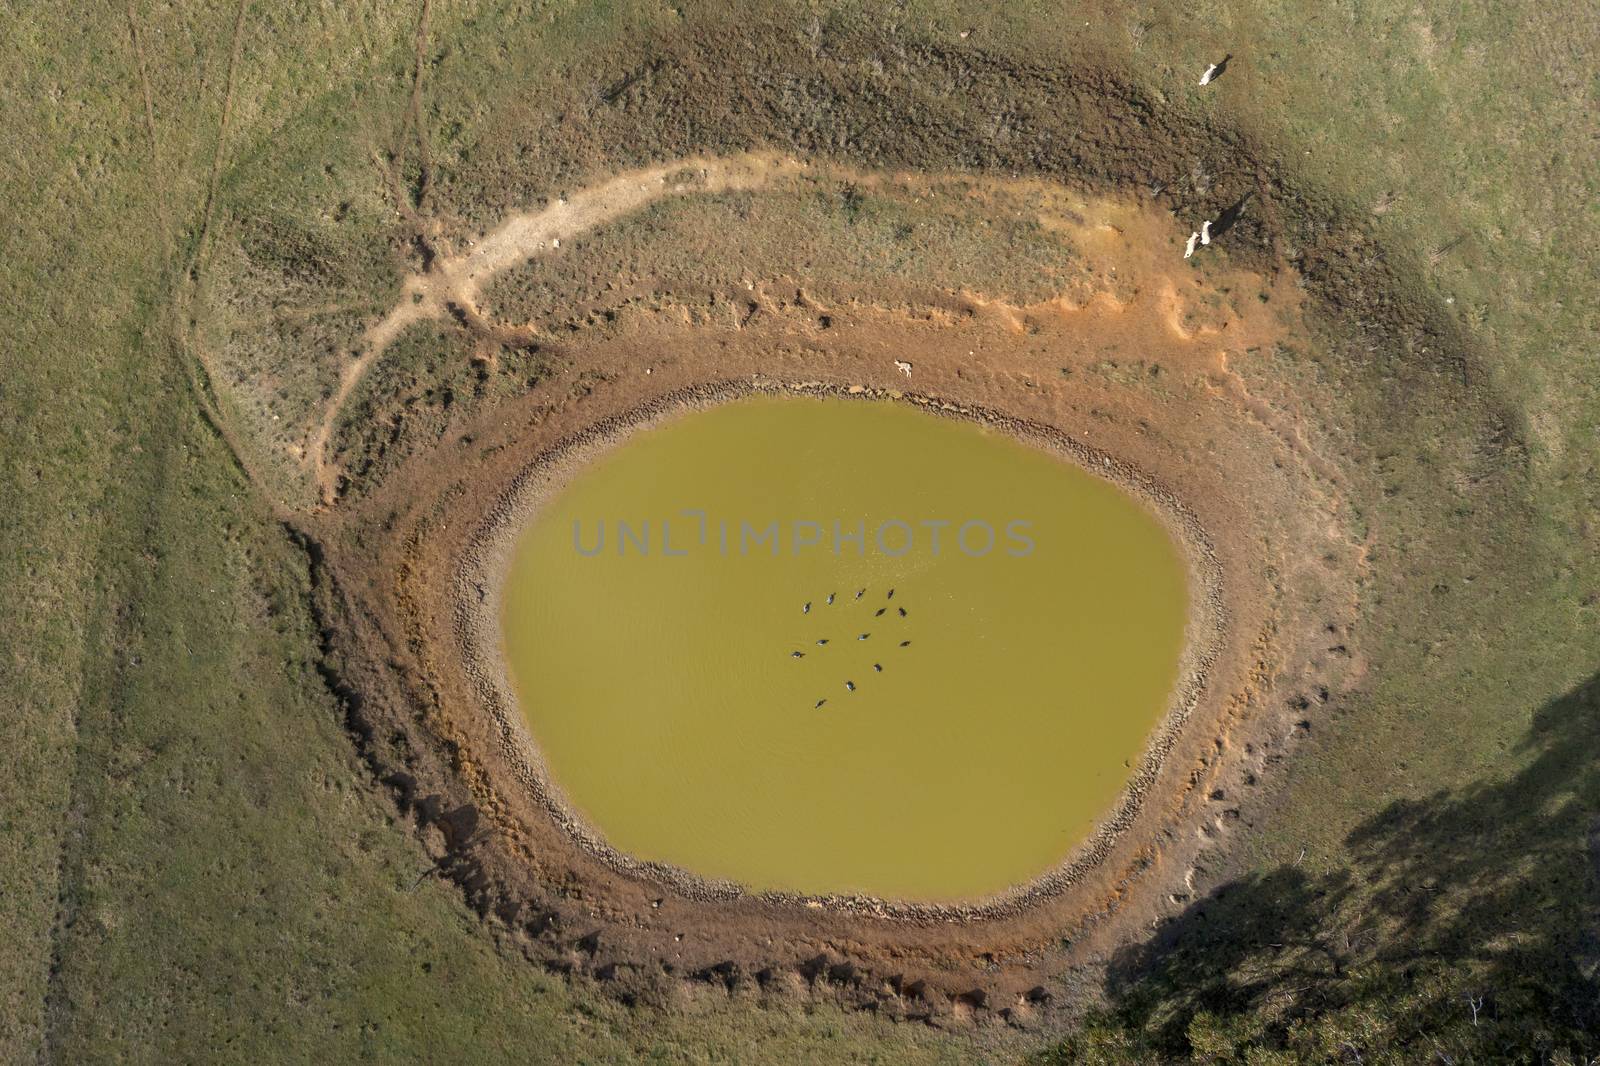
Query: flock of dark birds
{"points": [[850, 686]]}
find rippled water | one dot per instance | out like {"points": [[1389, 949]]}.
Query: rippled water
{"points": [[1009, 676]]}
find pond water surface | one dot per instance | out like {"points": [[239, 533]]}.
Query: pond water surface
{"points": [[985, 686]]}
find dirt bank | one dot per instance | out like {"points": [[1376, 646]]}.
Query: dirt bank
{"points": [[1282, 565]]}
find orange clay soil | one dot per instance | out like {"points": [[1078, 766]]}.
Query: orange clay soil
{"points": [[1134, 365]]}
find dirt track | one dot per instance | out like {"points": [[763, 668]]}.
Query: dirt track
{"points": [[456, 281]]}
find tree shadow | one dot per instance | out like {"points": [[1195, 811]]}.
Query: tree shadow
{"points": [[1466, 927]]}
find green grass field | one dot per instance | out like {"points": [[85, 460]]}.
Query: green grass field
{"points": [[195, 866]]}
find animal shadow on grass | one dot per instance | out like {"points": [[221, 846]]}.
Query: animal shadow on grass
{"points": [[1231, 215], [1470, 916]]}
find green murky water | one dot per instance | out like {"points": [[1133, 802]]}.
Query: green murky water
{"points": [[655, 606]]}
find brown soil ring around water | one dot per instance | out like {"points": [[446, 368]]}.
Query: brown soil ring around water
{"points": [[387, 574], [478, 581]]}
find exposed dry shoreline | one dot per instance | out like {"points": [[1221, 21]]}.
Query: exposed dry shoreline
{"points": [[414, 563], [480, 580]]}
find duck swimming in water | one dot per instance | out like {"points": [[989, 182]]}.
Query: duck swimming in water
{"points": [[830, 598], [905, 644], [891, 594], [902, 611], [880, 611], [878, 667], [864, 636], [797, 655], [821, 702], [860, 593], [807, 608], [824, 640], [851, 685]]}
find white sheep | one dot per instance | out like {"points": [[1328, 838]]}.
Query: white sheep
{"points": [[1211, 72], [1205, 232], [903, 366], [1188, 249]]}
